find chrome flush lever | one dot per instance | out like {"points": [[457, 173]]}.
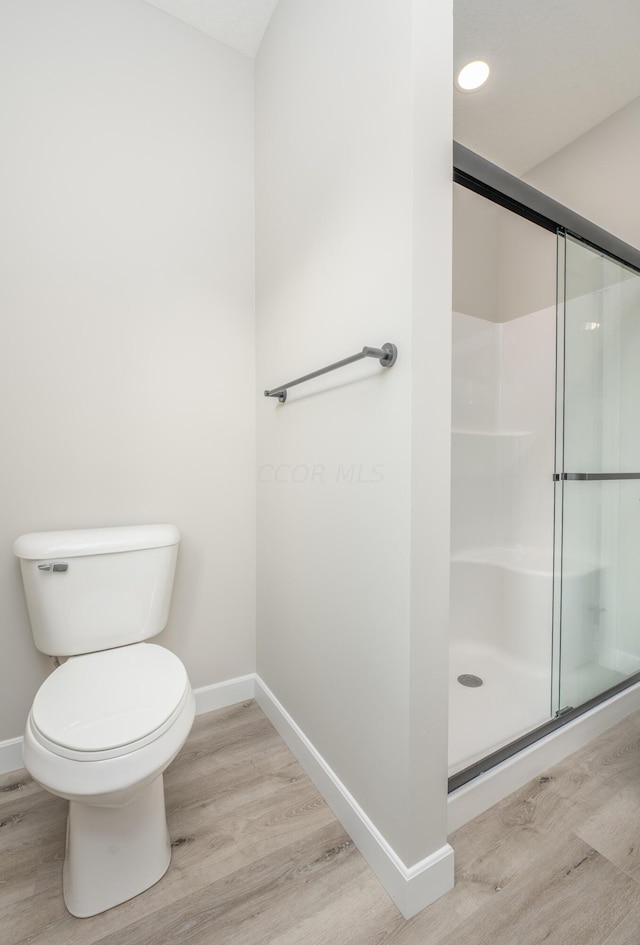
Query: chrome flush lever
{"points": [[53, 566]]}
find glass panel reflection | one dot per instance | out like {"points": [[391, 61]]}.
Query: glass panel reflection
{"points": [[600, 568]]}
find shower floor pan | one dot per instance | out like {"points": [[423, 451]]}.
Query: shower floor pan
{"points": [[513, 699]]}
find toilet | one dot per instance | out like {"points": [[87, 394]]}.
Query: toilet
{"points": [[108, 721]]}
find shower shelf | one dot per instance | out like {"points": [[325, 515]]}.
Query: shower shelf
{"points": [[457, 431], [505, 556]]}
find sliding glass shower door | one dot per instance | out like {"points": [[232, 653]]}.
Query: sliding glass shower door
{"points": [[545, 542], [597, 595]]}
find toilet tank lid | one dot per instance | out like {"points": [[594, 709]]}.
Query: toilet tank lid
{"points": [[94, 541]]}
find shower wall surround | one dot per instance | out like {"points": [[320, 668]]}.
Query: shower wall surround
{"points": [[503, 406], [501, 529], [502, 463]]}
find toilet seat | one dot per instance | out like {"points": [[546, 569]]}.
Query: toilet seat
{"points": [[102, 705]]}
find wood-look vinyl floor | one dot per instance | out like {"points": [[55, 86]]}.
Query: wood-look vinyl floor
{"points": [[258, 858]]}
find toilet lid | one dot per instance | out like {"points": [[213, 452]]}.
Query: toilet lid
{"points": [[105, 700]]}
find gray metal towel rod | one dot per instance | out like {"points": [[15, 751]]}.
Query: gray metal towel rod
{"points": [[387, 355]]}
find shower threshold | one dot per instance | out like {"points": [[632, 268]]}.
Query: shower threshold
{"points": [[567, 715]]}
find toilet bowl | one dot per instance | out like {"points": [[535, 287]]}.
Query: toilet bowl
{"points": [[105, 724]]}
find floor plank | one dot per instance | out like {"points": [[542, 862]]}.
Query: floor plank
{"points": [[259, 859], [238, 908], [615, 829], [571, 893], [627, 932]]}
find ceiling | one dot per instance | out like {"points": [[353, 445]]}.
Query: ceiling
{"points": [[239, 23], [559, 67]]}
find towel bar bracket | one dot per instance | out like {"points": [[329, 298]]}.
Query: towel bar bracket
{"points": [[388, 358]]}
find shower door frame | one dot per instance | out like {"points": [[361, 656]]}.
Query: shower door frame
{"points": [[477, 174]]}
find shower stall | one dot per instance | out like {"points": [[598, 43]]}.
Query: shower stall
{"points": [[545, 508]]}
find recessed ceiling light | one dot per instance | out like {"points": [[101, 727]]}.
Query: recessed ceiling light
{"points": [[473, 76]]}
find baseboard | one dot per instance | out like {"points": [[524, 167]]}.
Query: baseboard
{"points": [[411, 888], [486, 790], [10, 755], [223, 694], [208, 699]]}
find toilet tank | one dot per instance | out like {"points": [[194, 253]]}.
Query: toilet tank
{"points": [[97, 588]]}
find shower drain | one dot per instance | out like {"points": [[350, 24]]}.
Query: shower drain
{"points": [[467, 679]]}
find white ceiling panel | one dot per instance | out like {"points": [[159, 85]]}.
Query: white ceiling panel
{"points": [[559, 67], [239, 23]]}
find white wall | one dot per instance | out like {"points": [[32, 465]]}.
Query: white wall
{"points": [[353, 247], [504, 266], [595, 174], [126, 296], [503, 363]]}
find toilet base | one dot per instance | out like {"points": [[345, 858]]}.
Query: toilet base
{"points": [[115, 853]]}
